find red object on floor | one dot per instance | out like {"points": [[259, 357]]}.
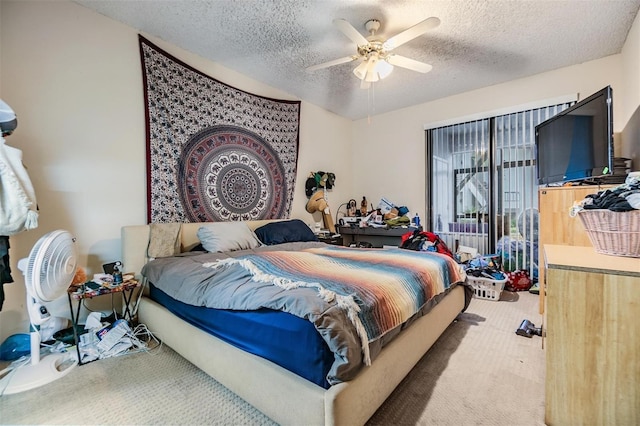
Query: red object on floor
{"points": [[518, 281]]}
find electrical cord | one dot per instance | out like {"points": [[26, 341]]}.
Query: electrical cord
{"points": [[141, 330], [84, 305], [10, 371], [338, 212], [141, 337], [134, 312], [129, 341]]}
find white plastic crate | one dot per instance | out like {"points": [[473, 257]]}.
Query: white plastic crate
{"points": [[487, 288]]}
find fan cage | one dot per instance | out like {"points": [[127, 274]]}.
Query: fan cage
{"points": [[51, 265]]}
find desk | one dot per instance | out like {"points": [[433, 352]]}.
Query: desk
{"points": [[378, 237], [80, 292]]}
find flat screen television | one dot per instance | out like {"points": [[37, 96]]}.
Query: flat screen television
{"points": [[577, 143]]}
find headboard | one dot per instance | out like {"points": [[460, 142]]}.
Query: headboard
{"points": [[135, 241]]}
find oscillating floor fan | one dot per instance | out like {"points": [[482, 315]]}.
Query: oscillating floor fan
{"points": [[48, 272]]}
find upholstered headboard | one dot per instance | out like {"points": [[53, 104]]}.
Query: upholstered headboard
{"points": [[136, 238]]}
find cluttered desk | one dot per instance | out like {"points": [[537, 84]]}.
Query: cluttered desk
{"points": [[357, 227], [376, 236], [380, 227]]}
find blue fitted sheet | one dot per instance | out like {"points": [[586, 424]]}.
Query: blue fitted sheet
{"points": [[280, 337]]}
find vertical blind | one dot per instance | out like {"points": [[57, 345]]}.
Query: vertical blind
{"points": [[482, 185]]}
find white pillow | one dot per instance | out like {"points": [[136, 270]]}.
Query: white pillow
{"points": [[227, 236]]}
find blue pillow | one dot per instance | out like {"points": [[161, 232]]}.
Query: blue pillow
{"points": [[287, 231]]}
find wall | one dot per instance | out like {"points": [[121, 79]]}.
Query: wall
{"points": [[390, 147], [74, 79], [631, 110]]}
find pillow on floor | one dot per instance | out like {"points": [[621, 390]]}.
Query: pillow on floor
{"points": [[227, 236]]}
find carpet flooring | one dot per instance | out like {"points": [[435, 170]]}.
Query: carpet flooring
{"points": [[478, 373]]}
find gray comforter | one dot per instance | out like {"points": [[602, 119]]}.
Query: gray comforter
{"points": [[185, 278]]}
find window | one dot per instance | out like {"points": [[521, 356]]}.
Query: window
{"points": [[482, 187]]}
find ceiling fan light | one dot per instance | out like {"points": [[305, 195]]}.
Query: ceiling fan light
{"points": [[384, 68], [372, 74], [371, 63], [361, 70], [371, 77]]}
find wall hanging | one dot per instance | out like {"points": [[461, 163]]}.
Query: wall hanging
{"points": [[214, 152]]}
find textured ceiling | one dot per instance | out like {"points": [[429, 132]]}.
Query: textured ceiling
{"points": [[478, 43]]}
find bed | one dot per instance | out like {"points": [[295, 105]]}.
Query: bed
{"points": [[352, 388]]}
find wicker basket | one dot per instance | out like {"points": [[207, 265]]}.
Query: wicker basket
{"points": [[613, 233]]}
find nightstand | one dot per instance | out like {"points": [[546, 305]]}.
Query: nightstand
{"points": [[84, 291]]}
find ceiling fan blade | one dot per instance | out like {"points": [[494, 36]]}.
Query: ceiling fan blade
{"points": [[332, 63], [348, 30], [411, 33], [404, 62]]}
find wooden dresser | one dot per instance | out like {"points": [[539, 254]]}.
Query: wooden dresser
{"points": [[555, 224], [592, 337]]}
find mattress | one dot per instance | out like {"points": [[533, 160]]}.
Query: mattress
{"points": [[280, 337]]}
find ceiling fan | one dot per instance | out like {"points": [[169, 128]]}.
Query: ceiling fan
{"points": [[376, 55]]}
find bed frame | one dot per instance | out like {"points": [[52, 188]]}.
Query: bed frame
{"points": [[281, 395]]}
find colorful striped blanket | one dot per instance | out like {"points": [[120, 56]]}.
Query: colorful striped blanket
{"points": [[378, 289], [353, 297]]}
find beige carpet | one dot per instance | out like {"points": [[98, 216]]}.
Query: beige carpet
{"points": [[478, 373]]}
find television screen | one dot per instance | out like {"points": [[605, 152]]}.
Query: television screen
{"points": [[577, 143]]}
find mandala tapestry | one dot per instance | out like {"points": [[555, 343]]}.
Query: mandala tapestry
{"points": [[214, 152]]}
